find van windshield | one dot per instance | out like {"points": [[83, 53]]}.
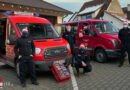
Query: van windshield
{"points": [[105, 27], [39, 30]]}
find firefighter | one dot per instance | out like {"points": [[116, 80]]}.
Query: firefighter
{"points": [[124, 36], [82, 60], [25, 54], [70, 37]]}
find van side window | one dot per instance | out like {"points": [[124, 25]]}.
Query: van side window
{"points": [[12, 35], [61, 28], [87, 29], [74, 28]]}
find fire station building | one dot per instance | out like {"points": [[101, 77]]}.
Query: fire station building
{"points": [[39, 8]]}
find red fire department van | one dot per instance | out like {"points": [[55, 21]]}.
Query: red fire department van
{"points": [[50, 47], [100, 36]]}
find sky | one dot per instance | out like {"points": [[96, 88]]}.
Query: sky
{"points": [[75, 5]]}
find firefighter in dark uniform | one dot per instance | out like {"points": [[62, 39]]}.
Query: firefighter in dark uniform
{"points": [[70, 37], [82, 60], [25, 54], [124, 36]]}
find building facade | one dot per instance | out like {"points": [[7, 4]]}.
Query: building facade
{"points": [[103, 9], [39, 8], [95, 9]]}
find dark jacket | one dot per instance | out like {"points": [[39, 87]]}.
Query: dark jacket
{"points": [[124, 36], [79, 57], [25, 45], [70, 37]]}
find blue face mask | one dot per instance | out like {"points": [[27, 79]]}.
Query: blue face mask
{"points": [[82, 50], [25, 34]]}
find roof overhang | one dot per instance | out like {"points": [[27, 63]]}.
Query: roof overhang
{"points": [[121, 17], [63, 11]]}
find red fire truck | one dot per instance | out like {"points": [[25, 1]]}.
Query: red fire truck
{"points": [[50, 47], [100, 36]]}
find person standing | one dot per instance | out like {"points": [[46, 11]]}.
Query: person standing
{"points": [[124, 36], [82, 59], [70, 37], [25, 54]]}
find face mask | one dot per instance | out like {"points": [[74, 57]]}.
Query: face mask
{"points": [[68, 29], [82, 50], [125, 26], [25, 34]]}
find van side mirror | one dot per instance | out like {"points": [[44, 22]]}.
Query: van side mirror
{"points": [[95, 34]]}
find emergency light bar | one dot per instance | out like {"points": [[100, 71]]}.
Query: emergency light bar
{"points": [[21, 13], [101, 18]]}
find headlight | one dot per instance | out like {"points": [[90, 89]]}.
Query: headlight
{"points": [[37, 50], [68, 46], [115, 43]]}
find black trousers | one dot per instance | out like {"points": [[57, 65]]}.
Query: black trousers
{"points": [[26, 63], [124, 48], [72, 52], [88, 68]]}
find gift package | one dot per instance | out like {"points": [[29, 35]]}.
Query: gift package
{"points": [[60, 72]]}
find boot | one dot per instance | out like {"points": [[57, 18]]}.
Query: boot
{"points": [[120, 65]]}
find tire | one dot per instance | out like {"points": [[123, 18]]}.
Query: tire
{"points": [[17, 69], [100, 56]]}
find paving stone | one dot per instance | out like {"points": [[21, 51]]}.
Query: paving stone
{"points": [[104, 76]]}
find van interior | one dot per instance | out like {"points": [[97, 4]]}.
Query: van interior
{"points": [[2, 37]]}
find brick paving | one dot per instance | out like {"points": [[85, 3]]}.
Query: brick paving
{"points": [[104, 76], [107, 76]]}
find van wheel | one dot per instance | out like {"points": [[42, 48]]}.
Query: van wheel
{"points": [[100, 56], [17, 69]]}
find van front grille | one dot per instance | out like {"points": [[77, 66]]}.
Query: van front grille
{"points": [[55, 52]]}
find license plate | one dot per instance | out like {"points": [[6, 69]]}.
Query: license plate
{"points": [[59, 61]]}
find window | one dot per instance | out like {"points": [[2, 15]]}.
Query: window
{"points": [[74, 28], [105, 27], [89, 17], [87, 29], [61, 28], [12, 33], [39, 30]]}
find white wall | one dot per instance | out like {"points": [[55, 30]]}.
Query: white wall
{"points": [[96, 12], [128, 7], [116, 22], [59, 19]]}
